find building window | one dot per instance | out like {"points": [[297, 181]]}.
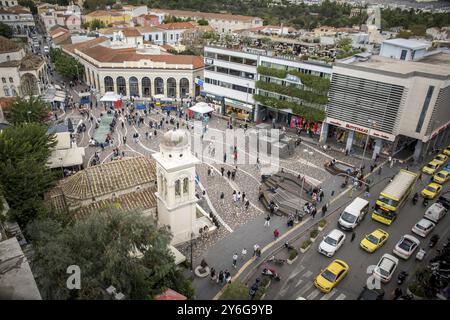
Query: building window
{"points": [[11, 80], [6, 91], [177, 188], [121, 86], [426, 104], [109, 84], [184, 88], [171, 88], [146, 87], [237, 60], [156, 37], [4, 80], [250, 62], [185, 186], [403, 55], [223, 57], [159, 86], [171, 37], [134, 87]]}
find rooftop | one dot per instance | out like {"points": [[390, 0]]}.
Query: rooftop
{"points": [[16, 281], [408, 43], [437, 64], [176, 26], [205, 15], [7, 45], [15, 10]]}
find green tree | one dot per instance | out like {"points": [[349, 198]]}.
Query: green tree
{"points": [[24, 151], [104, 246], [30, 4], [235, 291], [33, 109], [96, 24], [66, 65], [202, 22], [5, 30]]}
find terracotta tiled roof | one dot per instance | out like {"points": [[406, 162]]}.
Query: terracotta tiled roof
{"points": [[149, 29], [83, 45], [7, 45], [141, 200], [57, 31], [205, 15], [31, 62], [15, 10], [128, 32], [109, 178], [176, 26], [101, 13]]}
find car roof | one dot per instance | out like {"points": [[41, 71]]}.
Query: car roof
{"points": [[410, 237], [434, 184], [444, 172], [425, 222], [378, 233], [335, 234], [433, 162], [387, 261], [336, 266]]}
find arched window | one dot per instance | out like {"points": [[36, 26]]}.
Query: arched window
{"points": [[165, 187], [159, 86], [3, 79], [121, 86], [171, 88], [134, 87], [185, 186], [109, 84], [177, 188], [184, 87], [146, 87]]}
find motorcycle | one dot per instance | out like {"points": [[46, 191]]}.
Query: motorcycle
{"points": [[277, 261], [415, 198], [433, 240], [288, 246], [271, 273], [425, 202], [401, 277]]}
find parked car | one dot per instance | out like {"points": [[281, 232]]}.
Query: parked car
{"points": [[423, 227], [371, 294], [431, 167], [441, 177], [331, 275], [446, 151], [374, 240], [406, 246], [441, 158], [444, 200], [431, 190], [385, 268], [437, 210], [331, 242]]}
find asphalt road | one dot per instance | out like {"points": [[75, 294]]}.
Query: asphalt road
{"points": [[299, 281]]}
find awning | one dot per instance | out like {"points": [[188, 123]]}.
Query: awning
{"points": [[110, 97], [159, 96], [66, 158], [202, 108], [239, 105]]}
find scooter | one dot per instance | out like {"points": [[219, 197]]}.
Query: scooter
{"points": [[433, 240], [271, 273], [288, 246], [401, 277], [277, 261]]}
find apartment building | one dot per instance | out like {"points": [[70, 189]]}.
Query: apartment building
{"points": [[18, 18], [222, 23], [398, 103]]}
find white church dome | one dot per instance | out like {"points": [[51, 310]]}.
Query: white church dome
{"points": [[175, 139]]}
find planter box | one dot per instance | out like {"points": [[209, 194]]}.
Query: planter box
{"points": [[304, 250], [313, 239], [321, 228], [268, 284], [292, 261]]}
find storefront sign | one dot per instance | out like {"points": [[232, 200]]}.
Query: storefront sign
{"points": [[436, 132], [239, 105], [198, 82], [360, 129]]}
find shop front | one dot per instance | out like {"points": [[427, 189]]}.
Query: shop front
{"points": [[242, 110], [217, 102]]}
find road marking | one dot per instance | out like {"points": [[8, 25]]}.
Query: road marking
{"points": [[298, 283], [308, 274], [341, 297], [304, 289], [283, 290], [313, 294], [297, 271], [328, 295]]}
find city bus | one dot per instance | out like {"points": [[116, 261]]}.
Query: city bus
{"points": [[392, 198]]}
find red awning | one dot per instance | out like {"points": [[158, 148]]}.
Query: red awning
{"points": [[170, 294]]}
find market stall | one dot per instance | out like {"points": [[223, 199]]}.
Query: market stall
{"points": [[111, 99], [200, 111]]}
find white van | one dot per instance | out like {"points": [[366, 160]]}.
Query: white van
{"points": [[353, 214], [435, 212]]}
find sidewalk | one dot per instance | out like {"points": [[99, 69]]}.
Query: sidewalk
{"points": [[220, 255]]}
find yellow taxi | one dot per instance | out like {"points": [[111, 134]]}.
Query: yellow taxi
{"points": [[375, 240], [446, 151], [431, 190], [431, 167], [442, 176], [441, 158], [331, 275]]}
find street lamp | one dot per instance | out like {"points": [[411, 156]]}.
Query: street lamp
{"points": [[372, 124]]}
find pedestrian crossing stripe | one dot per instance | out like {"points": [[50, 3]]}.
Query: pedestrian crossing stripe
{"points": [[313, 294], [304, 289], [328, 295], [308, 274], [299, 282], [341, 297]]}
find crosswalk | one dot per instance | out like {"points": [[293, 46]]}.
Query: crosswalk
{"points": [[301, 284]]}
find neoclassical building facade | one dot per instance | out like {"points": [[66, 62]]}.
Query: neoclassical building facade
{"points": [[136, 70]]}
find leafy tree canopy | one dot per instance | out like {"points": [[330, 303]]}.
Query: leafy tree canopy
{"points": [[5, 30], [33, 109]]}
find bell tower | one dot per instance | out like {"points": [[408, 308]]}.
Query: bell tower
{"points": [[175, 170]]}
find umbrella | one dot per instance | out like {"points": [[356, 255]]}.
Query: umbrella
{"points": [[141, 106]]}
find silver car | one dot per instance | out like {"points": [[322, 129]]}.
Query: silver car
{"points": [[406, 246], [385, 267]]}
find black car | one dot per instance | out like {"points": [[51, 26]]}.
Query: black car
{"points": [[371, 294], [445, 200]]}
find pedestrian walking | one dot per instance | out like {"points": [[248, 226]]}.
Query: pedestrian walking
{"points": [[243, 254], [209, 171], [324, 210], [247, 204], [222, 170], [313, 212], [220, 278], [228, 174], [379, 171], [353, 236], [267, 222], [367, 192], [255, 248], [235, 257], [258, 253], [238, 198], [276, 234], [243, 196], [213, 274], [234, 196]]}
